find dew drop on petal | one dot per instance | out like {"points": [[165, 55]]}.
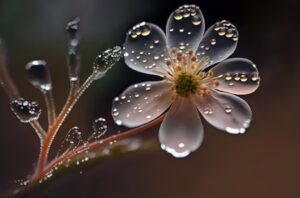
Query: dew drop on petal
{"points": [[238, 71], [187, 18], [219, 37], [181, 132], [150, 43], [231, 113], [148, 100]]}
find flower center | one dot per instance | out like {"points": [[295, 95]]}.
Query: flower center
{"points": [[186, 84], [186, 75]]}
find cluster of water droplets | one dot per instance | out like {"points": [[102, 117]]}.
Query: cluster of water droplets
{"points": [[38, 75], [141, 103], [237, 76], [105, 60], [26, 111], [218, 42], [145, 48], [185, 27]]}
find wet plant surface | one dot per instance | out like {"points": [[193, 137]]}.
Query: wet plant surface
{"points": [[92, 156]]}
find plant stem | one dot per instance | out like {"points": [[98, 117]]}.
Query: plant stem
{"points": [[60, 119], [48, 96], [95, 145], [39, 130], [6, 81]]}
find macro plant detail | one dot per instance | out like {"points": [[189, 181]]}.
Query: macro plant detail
{"points": [[185, 59], [196, 79]]}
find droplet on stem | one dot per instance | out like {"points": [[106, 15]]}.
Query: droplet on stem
{"points": [[105, 60], [38, 75], [72, 28], [26, 111]]}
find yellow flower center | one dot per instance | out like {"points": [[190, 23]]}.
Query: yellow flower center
{"points": [[186, 75], [186, 84]]}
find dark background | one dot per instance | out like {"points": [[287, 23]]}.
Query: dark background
{"points": [[264, 162]]}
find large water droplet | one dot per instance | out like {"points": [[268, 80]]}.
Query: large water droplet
{"points": [[25, 111], [38, 75], [106, 60]]}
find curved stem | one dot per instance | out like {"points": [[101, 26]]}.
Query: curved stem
{"points": [[39, 130], [60, 119], [96, 145], [48, 96], [6, 81]]}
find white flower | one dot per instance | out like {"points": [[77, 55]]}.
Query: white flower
{"points": [[184, 58]]}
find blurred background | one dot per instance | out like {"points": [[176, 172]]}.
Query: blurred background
{"points": [[264, 162]]}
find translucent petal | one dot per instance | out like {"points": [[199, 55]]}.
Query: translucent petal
{"points": [[218, 43], [225, 111], [141, 103], [237, 76], [185, 28], [145, 49], [181, 131]]}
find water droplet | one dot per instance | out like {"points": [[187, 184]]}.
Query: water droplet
{"points": [[106, 60], [228, 77], [72, 140], [196, 20], [156, 41], [99, 129], [228, 109], [213, 41], [126, 54], [181, 30], [115, 112], [178, 17], [24, 110], [146, 30], [38, 75], [119, 122]]}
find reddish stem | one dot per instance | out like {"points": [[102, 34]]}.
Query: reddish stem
{"points": [[94, 145]]}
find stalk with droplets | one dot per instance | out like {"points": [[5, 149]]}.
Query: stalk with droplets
{"points": [[102, 64], [39, 77]]}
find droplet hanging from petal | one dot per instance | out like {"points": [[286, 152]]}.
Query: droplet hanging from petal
{"points": [[181, 132]]}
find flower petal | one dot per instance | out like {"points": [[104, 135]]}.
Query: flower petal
{"points": [[225, 111], [218, 43], [237, 76], [185, 28], [145, 49], [181, 131], [141, 103]]}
